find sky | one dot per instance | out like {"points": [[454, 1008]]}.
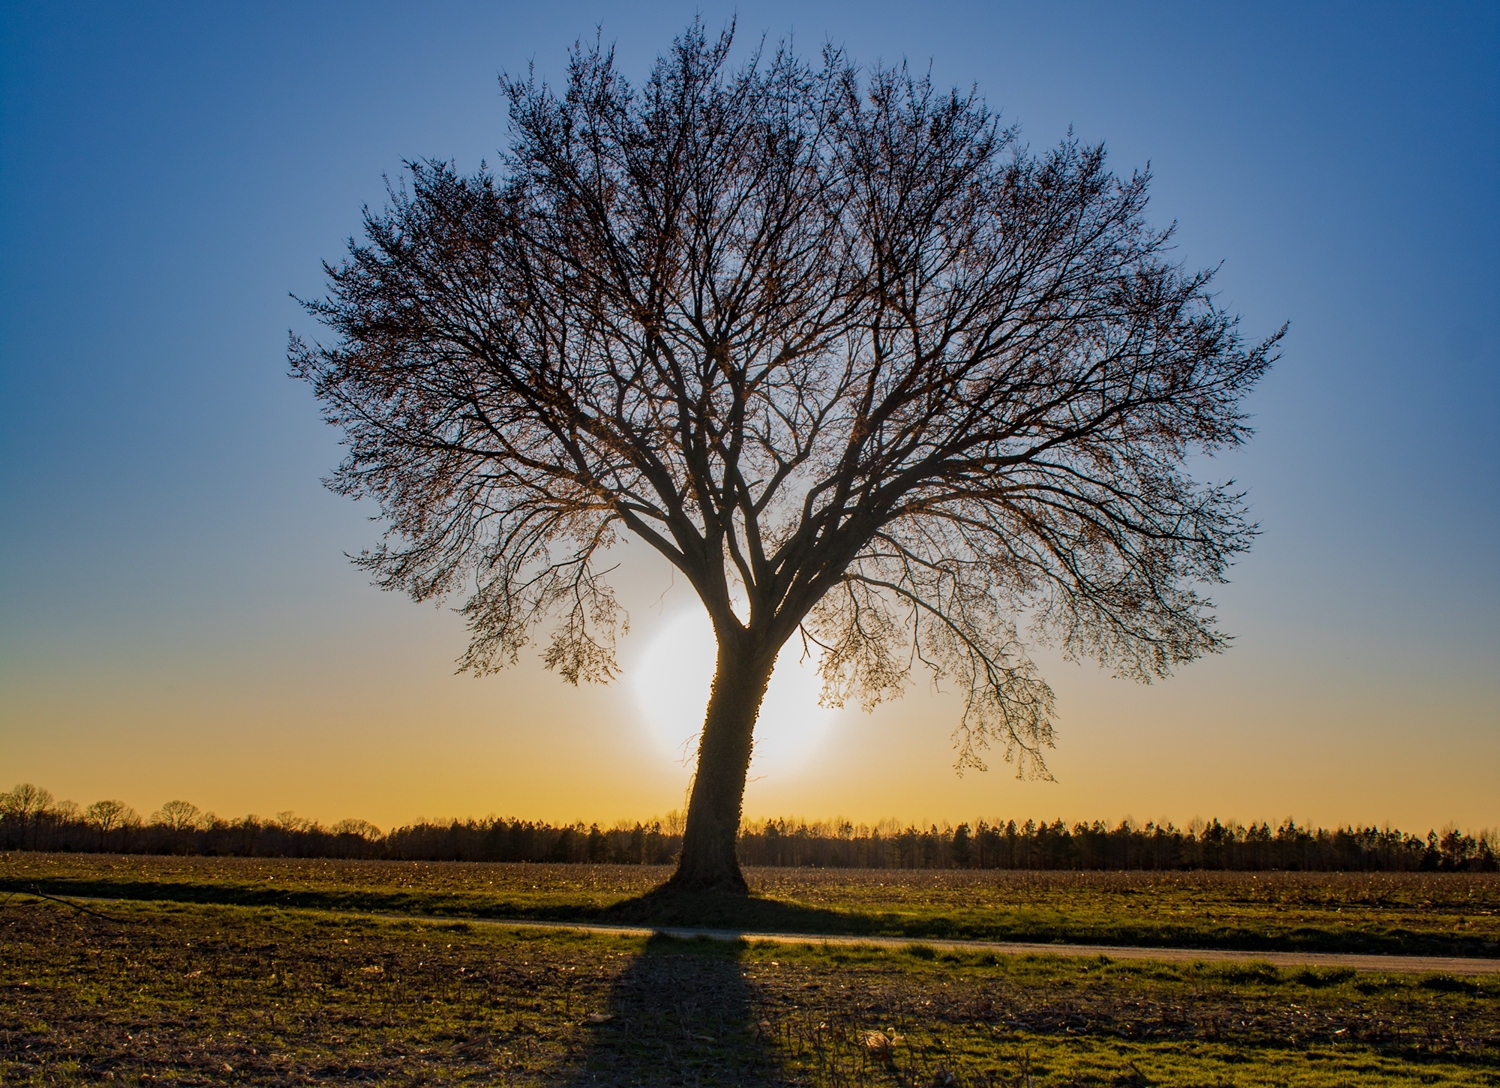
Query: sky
{"points": [[177, 615]]}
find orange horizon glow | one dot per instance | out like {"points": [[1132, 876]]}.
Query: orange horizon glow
{"points": [[399, 738]]}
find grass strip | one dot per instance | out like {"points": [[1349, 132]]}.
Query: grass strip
{"points": [[1382, 914]]}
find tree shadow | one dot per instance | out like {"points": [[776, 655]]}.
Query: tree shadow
{"points": [[736, 914], [682, 1013]]}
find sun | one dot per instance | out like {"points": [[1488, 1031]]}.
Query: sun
{"points": [[671, 683]]}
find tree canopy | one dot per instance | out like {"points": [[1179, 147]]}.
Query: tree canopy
{"points": [[836, 343]]}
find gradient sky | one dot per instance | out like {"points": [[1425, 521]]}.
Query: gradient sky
{"points": [[176, 615]]}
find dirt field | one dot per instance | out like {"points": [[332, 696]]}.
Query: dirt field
{"points": [[177, 993]]}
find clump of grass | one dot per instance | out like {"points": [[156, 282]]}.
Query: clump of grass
{"points": [[1239, 973], [1319, 977]]}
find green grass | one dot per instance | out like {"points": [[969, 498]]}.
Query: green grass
{"points": [[178, 993], [1431, 914]]}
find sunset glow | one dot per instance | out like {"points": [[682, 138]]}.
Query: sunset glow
{"points": [[179, 618], [671, 680]]}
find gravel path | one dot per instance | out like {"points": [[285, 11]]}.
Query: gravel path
{"points": [[1453, 965]]}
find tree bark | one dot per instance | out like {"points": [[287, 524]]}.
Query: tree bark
{"points": [[708, 862]]}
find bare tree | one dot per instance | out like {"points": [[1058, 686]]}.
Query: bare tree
{"points": [[290, 821], [28, 805], [839, 347], [108, 815], [178, 816], [363, 829]]}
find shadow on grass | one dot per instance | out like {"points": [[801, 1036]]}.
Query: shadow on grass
{"points": [[761, 915], [751, 914], [655, 908], [682, 1013]]}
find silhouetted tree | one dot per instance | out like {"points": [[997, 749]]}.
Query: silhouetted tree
{"points": [[27, 804], [108, 815], [362, 829], [961, 846], [178, 816], [856, 362]]}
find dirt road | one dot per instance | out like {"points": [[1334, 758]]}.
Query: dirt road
{"points": [[1453, 965]]}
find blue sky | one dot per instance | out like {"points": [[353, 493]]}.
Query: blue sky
{"points": [[176, 616]]}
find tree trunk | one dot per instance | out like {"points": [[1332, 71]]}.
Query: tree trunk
{"points": [[708, 862]]}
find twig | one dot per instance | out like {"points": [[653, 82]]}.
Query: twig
{"points": [[36, 891]]}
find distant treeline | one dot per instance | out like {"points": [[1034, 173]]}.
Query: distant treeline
{"points": [[31, 820]]}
